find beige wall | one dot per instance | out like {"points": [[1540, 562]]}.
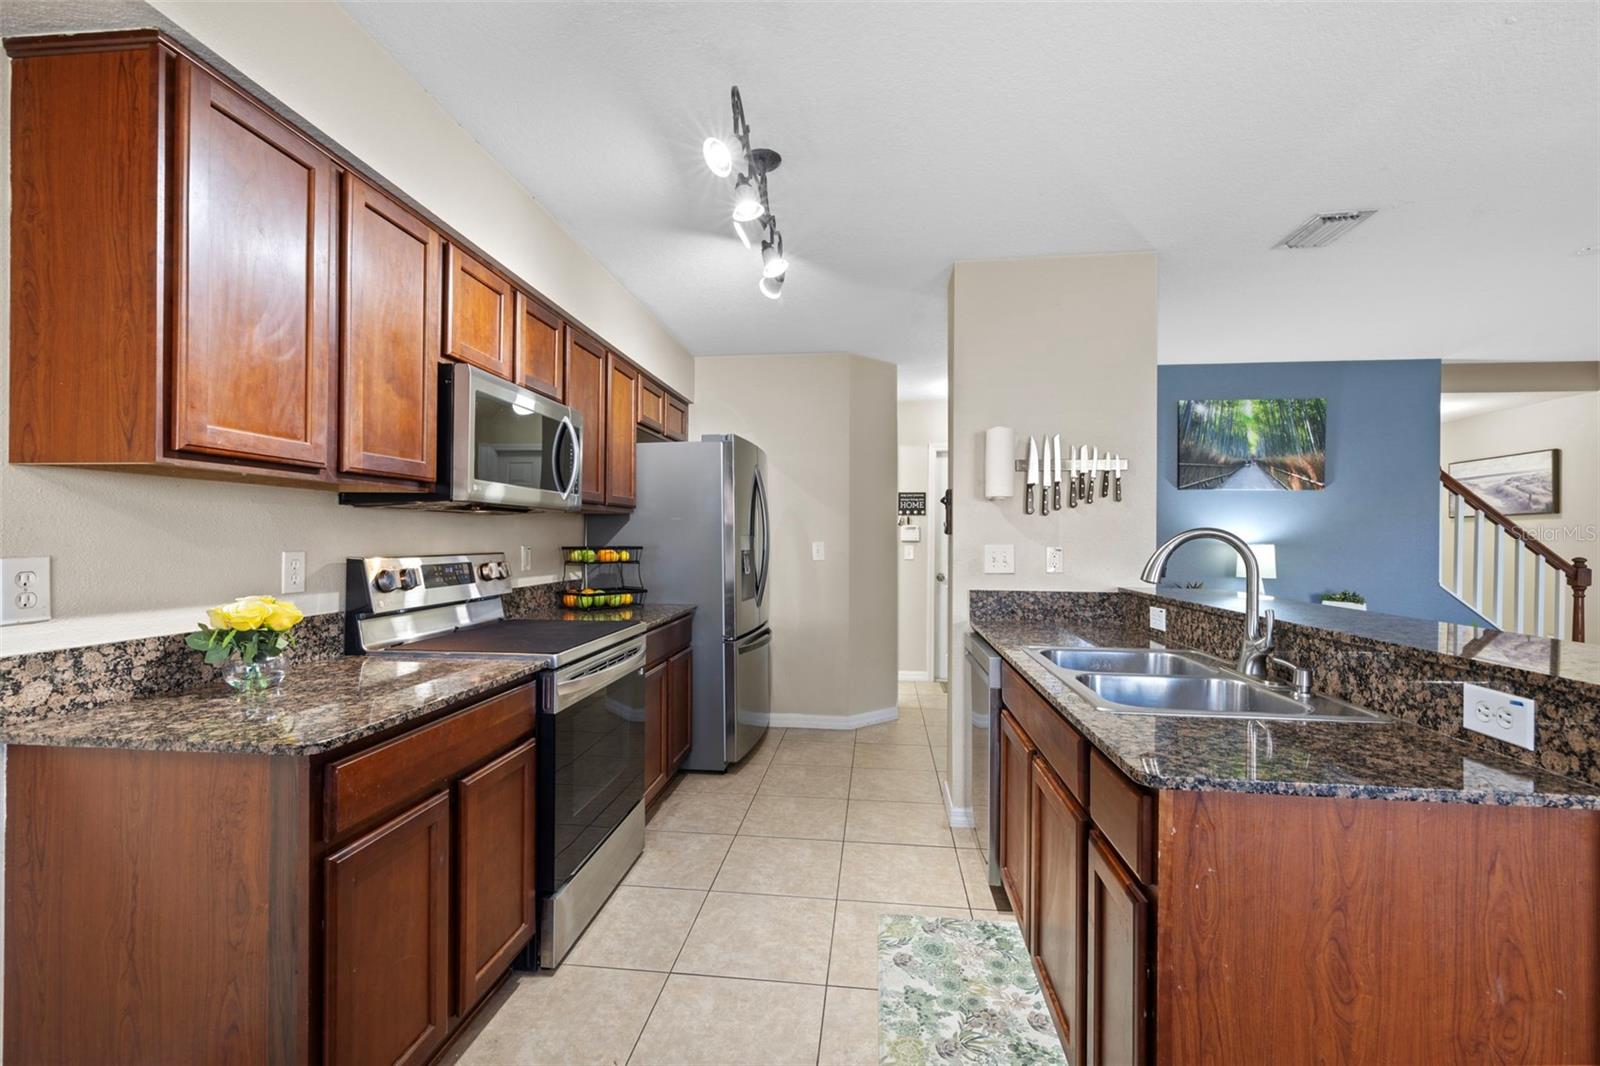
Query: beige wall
{"points": [[921, 423], [827, 424], [1570, 423], [133, 543], [1057, 345]]}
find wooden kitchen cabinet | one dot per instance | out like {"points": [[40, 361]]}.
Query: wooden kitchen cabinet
{"points": [[652, 404], [480, 314], [675, 422], [1116, 994], [655, 730], [669, 703], [622, 415], [496, 891], [680, 708], [386, 937], [586, 393], [1016, 767], [541, 357], [1058, 835], [390, 334]]}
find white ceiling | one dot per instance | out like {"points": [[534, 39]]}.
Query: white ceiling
{"points": [[918, 134]]}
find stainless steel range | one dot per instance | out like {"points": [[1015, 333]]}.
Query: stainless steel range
{"points": [[591, 744]]}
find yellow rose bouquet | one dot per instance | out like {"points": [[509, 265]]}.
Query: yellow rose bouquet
{"points": [[256, 629]]}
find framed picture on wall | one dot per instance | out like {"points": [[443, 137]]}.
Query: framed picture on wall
{"points": [[1260, 445], [1524, 483]]}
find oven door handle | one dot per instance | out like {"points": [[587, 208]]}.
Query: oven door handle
{"points": [[578, 682]]}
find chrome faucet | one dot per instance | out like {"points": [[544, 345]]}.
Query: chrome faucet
{"points": [[1256, 646]]}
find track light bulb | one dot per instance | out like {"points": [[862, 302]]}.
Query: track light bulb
{"points": [[746, 201], [773, 263], [718, 158], [772, 288]]}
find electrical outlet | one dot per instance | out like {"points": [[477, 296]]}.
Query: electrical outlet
{"points": [[1158, 618], [817, 553], [293, 572], [24, 590], [999, 559], [1498, 714], [1052, 560]]}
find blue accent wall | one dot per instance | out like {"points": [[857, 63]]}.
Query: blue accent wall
{"points": [[1374, 529]]}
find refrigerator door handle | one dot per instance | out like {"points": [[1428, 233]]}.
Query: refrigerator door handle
{"points": [[760, 500], [760, 640]]}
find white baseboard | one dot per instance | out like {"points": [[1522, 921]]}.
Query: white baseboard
{"points": [[915, 675], [791, 720], [959, 817]]}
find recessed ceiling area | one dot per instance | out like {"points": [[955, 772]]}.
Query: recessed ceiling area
{"points": [[915, 135], [1454, 406]]}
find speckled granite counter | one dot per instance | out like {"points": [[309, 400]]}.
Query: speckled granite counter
{"points": [[324, 705], [653, 615], [1398, 760]]}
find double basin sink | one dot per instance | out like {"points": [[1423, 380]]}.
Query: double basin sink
{"points": [[1187, 684]]}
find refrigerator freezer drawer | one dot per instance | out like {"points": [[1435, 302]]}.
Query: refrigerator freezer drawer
{"points": [[749, 665]]}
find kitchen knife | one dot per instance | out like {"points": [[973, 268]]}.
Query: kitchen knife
{"points": [[1033, 475], [1105, 479], [1055, 482], [1094, 473], [1044, 476], [1083, 464], [1072, 479], [1116, 461]]}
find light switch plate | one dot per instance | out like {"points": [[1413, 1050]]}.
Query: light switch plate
{"points": [[1158, 618], [1498, 714], [293, 578], [24, 590], [1052, 561], [999, 559], [911, 551], [817, 552]]}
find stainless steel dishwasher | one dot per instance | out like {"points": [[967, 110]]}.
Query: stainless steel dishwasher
{"points": [[983, 723]]}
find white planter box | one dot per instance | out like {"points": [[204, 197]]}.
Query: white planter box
{"points": [[1346, 606]]}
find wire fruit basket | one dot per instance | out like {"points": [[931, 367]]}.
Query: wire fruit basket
{"points": [[602, 579]]}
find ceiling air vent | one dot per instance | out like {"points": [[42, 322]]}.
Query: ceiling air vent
{"points": [[1318, 231]]}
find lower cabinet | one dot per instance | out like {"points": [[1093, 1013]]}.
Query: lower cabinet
{"points": [[496, 891], [386, 940], [1016, 767], [655, 730], [680, 707], [1058, 835], [1117, 961], [668, 704]]}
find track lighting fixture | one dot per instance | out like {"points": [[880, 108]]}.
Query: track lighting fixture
{"points": [[752, 212]]}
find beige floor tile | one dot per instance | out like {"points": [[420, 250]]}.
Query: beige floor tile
{"points": [[849, 1028], [729, 1022], [795, 816], [824, 736], [814, 753], [941, 756], [741, 780], [679, 860], [975, 877], [762, 753], [854, 959], [892, 733], [817, 782], [966, 837], [901, 786], [879, 822], [899, 873], [909, 714], [571, 1014], [768, 938], [688, 813], [638, 929], [893, 757], [778, 866], [1003, 917]]}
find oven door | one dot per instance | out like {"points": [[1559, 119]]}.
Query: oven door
{"points": [[511, 447]]}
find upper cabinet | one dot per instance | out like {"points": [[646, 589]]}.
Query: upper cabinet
{"points": [[586, 393], [541, 354], [652, 404], [390, 309], [479, 314], [622, 414], [675, 423]]}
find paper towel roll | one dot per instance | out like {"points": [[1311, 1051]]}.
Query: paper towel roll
{"points": [[999, 463]]}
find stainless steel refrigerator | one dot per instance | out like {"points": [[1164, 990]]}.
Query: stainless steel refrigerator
{"points": [[704, 523]]}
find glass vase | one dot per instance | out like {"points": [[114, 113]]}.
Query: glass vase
{"points": [[262, 675]]}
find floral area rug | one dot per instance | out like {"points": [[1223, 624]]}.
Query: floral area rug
{"points": [[960, 991]]}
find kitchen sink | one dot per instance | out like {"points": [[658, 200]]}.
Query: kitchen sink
{"points": [[1212, 697], [1125, 661]]}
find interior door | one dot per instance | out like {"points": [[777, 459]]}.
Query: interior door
{"points": [[938, 481]]}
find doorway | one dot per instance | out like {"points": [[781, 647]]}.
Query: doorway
{"points": [[939, 629]]}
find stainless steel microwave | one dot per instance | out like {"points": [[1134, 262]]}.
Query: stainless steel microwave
{"points": [[501, 448]]}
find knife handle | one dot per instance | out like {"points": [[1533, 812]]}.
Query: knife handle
{"points": [[1044, 497], [1088, 495], [1072, 490], [1118, 483], [1056, 494], [1105, 483], [1027, 501]]}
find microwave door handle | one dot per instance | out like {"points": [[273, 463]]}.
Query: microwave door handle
{"points": [[566, 428]]}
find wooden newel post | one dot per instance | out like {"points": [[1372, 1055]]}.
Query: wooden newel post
{"points": [[1579, 581]]}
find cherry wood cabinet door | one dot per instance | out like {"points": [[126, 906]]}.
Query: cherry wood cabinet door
{"points": [[252, 348], [1059, 833], [1016, 758], [1117, 961], [680, 707], [622, 415], [495, 886], [480, 314], [586, 393], [652, 404], [540, 358], [390, 312], [655, 730], [386, 940], [675, 422]]}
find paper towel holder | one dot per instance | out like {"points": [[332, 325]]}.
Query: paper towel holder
{"points": [[999, 452]]}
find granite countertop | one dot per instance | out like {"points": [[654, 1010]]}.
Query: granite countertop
{"points": [[324, 704], [653, 615], [1395, 760]]}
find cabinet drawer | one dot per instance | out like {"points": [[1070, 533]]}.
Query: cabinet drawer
{"points": [[367, 784], [1062, 746], [667, 640], [1125, 814]]}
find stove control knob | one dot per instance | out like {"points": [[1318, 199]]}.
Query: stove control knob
{"points": [[491, 571], [386, 580], [410, 578]]}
